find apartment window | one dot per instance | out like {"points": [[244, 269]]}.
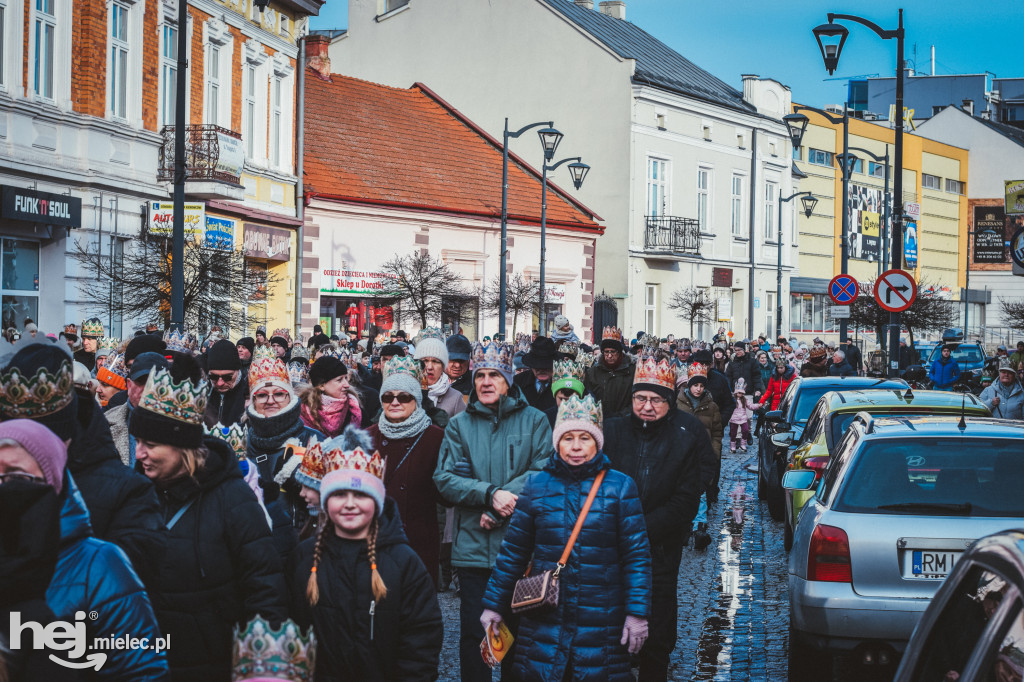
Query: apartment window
{"points": [[118, 75], [876, 170], [19, 281], [810, 313], [737, 206], [275, 122], [168, 74], [45, 28], [931, 181], [650, 307], [770, 191], [819, 157], [769, 313], [954, 186], [703, 187], [249, 110], [284, 27], [213, 84], [657, 187]]}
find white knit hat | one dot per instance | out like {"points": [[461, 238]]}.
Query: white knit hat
{"points": [[430, 344]]}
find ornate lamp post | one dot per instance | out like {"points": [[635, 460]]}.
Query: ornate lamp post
{"points": [[578, 170], [809, 201]]}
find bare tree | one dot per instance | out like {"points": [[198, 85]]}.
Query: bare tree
{"points": [[521, 296], [1013, 312], [692, 304], [423, 284], [135, 283], [926, 313]]}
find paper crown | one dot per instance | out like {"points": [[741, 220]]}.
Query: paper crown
{"points": [[179, 341], [584, 409], [107, 344], [585, 359], [649, 341], [235, 436], [741, 386], [183, 401], [522, 343], [300, 353], [697, 369], [311, 470], [114, 373], [429, 333], [492, 356], [39, 395], [651, 371], [282, 331], [403, 365], [567, 374], [71, 328], [337, 459], [569, 348], [264, 653], [264, 352], [298, 374], [266, 369], [611, 334]]}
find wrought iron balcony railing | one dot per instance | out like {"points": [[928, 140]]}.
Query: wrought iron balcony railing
{"points": [[672, 234], [211, 153]]}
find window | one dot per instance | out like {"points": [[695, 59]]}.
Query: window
{"points": [[118, 75], [650, 307], [168, 74], [213, 84], [769, 313], [931, 181], [737, 205], [707, 132], [45, 28], [284, 27], [254, 12], [770, 191], [249, 110], [798, 153], [657, 187], [390, 5], [703, 186], [772, 149], [954, 186], [819, 157], [275, 122], [876, 170], [19, 277], [811, 313]]}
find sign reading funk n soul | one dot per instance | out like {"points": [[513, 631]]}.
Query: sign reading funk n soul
{"points": [[20, 203]]}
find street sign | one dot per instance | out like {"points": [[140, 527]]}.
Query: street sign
{"points": [[912, 210], [840, 312], [895, 290], [842, 289], [1017, 247]]}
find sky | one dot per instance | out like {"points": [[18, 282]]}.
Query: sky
{"points": [[774, 39]]}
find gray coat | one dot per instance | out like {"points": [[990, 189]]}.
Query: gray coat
{"points": [[1011, 400], [118, 419], [452, 402]]}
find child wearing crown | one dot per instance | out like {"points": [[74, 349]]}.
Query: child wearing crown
{"points": [[359, 583]]}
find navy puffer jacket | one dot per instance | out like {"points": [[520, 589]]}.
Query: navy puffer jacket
{"points": [[608, 575]]}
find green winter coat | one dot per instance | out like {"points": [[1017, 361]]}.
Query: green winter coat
{"points": [[504, 448], [613, 387]]}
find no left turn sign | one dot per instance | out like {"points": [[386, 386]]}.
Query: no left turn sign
{"points": [[895, 290]]}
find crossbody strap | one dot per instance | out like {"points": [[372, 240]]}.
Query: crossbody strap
{"points": [[181, 512], [579, 522]]}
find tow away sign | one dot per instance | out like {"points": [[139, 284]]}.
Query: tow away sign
{"points": [[895, 290]]}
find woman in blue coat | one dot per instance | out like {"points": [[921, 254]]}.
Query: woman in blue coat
{"points": [[605, 587]]}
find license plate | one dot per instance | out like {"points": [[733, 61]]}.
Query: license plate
{"points": [[926, 563]]}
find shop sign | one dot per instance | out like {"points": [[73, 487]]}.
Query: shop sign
{"points": [[554, 293], [161, 218], [41, 207], [989, 234], [721, 277], [357, 282], [1014, 202], [220, 233], [269, 243], [231, 157], [724, 308]]}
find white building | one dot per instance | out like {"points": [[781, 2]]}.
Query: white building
{"points": [[687, 171]]}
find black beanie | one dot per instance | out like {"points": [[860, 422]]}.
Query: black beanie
{"points": [[248, 342], [326, 368], [147, 343], [702, 356], [665, 392], [157, 427], [223, 356], [49, 356], [279, 341], [697, 379], [392, 350]]}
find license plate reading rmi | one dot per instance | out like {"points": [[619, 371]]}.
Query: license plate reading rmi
{"points": [[932, 564]]}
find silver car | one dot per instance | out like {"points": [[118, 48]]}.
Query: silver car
{"points": [[901, 500]]}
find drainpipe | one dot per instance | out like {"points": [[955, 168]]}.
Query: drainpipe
{"points": [[753, 231], [300, 203]]}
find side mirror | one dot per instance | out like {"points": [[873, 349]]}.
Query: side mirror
{"points": [[800, 479], [773, 416], [782, 440]]}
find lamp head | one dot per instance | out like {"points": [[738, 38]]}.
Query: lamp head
{"points": [[549, 139], [846, 163], [809, 201], [831, 38], [797, 126], [578, 170]]}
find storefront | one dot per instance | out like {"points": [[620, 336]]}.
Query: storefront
{"points": [[356, 301], [268, 255]]}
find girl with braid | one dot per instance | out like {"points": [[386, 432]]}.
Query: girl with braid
{"points": [[359, 583]]}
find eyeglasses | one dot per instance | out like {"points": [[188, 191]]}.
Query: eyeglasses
{"points": [[222, 378], [655, 402], [389, 398], [20, 476], [276, 396]]}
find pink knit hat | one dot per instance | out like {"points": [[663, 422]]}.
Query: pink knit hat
{"points": [[43, 444]]}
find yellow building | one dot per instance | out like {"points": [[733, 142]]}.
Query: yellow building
{"points": [[934, 176]]}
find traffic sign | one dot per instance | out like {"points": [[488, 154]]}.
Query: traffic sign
{"points": [[1017, 247], [843, 289], [895, 290], [840, 312]]}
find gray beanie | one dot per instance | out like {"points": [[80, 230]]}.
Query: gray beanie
{"points": [[406, 383]]}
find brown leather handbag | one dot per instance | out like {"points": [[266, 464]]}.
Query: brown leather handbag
{"points": [[539, 593]]}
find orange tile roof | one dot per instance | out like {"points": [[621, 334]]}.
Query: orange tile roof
{"points": [[372, 143]]}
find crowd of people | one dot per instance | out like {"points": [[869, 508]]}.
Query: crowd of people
{"points": [[289, 509]]}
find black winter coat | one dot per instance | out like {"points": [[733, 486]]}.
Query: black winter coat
{"points": [[668, 459], [122, 503], [748, 370], [221, 567], [718, 386], [398, 638], [464, 384], [228, 408], [527, 384], [607, 577]]}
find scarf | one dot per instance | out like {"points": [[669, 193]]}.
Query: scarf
{"points": [[417, 422], [334, 414], [268, 434], [438, 390]]}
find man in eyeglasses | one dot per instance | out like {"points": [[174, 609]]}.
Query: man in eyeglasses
{"points": [[119, 415], [668, 454], [230, 387]]}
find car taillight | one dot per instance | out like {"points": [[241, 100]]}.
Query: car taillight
{"points": [[828, 559], [816, 464]]}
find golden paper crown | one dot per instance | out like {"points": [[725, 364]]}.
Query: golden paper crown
{"points": [[183, 401], [282, 331], [566, 370], [235, 436], [311, 471], [268, 370], [106, 344], [336, 459], [71, 328], [39, 395], [584, 409], [261, 652], [697, 369], [611, 334], [659, 373], [569, 348], [400, 364], [92, 327]]}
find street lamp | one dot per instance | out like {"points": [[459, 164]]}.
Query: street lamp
{"points": [[796, 123], [578, 170], [831, 37], [809, 201], [549, 138]]}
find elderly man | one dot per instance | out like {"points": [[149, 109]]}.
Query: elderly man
{"points": [[1006, 396], [610, 379], [226, 405], [488, 453], [457, 370], [840, 367], [536, 384], [669, 455], [119, 415], [683, 350]]}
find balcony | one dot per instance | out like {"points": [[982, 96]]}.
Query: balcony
{"points": [[214, 158], [671, 236]]}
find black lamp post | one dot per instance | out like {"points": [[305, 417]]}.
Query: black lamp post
{"points": [[549, 138], [809, 201], [578, 170], [831, 37]]}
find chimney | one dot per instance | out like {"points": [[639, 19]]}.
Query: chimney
{"points": [[969, 106], [749, 83], [585, 4], [613, 8], [317, 57]]}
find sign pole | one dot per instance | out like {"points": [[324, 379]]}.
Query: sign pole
{"points": [[178, 234]]}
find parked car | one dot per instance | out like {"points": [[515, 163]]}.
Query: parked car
{"points": [[900, 501], [794, 409], [974, 626], [971, 357], [924, 351], [834, 413]]}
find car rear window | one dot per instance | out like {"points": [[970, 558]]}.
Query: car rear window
{"points": [[939, 476], [805, 402]]}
